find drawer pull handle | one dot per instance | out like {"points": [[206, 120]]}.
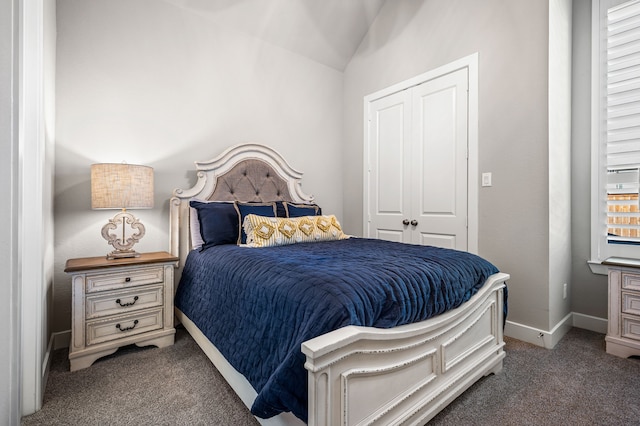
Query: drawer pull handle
{"points": [[127, 328], [135, 299], [127, 280]]}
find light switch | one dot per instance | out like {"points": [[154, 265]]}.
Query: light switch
{"points": [[486, 179]]}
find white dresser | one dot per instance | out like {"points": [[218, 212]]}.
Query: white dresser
{"points": [[623, 335], [120, 302]]}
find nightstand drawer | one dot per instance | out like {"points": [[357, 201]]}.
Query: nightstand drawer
{"points": [[124, 278], [630, 303], [104, 330], [630, 327], [119, 302], [631, 282]]}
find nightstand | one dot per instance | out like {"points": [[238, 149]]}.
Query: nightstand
{"points": [[120, 302], [623, 335]]}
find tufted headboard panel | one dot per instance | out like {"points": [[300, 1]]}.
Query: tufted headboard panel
{"points": [[251, 180]]}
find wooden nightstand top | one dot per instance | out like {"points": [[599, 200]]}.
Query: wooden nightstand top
{"points": [[84, 263]]}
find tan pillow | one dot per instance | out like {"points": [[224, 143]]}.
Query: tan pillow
{"points": [[277, 231]]}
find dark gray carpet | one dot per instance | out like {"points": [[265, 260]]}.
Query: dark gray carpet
{"points": [[176, 385], [576, 383]]}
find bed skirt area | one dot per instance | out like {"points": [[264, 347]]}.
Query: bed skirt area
{"points": [[402, 375]]}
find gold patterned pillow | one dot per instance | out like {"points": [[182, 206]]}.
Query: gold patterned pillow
{"points": [[277, 231]]}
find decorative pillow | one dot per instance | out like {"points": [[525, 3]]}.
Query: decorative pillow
{"points": [[298, 210], [281, 211], [244, 209], [194, 228], [217, 223], [271, 231]]}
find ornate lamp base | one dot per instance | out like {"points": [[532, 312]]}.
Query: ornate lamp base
{"points": [[120, 254], [122, 244]]}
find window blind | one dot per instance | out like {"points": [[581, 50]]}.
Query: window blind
{"points": [[623, 123]]}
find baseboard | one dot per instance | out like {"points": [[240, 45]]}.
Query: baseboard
{"points": [[61, 339], [58, 340], [536, 336], [46, 365], [548, 339], [599, 325]]}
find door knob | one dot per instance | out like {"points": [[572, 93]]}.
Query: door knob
{"points": [[405, 222], [414, 222]]}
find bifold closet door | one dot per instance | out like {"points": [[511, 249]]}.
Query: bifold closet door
{"points": [[417, 149], [439, 161], [389, 161]]}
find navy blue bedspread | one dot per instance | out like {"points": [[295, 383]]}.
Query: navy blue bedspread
{"points": [[257, 305]]}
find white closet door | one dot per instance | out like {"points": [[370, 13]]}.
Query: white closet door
{"points": [[417, 158], [439, 161], [389, 198]]}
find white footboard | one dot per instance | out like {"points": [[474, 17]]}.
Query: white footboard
{"points": [[405, 375]]}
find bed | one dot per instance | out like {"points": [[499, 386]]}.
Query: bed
{"points": [[375, 360]]}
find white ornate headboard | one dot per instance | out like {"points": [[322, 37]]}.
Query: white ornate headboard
{"points": [[247, 172]]}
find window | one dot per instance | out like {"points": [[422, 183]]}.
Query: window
{"points": [[623, 226], [616, 129]]}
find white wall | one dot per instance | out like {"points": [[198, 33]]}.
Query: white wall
{"points": [[511, 37], [157, 84], [560, 20], [36, 31], [152, 83], [9, 312], [589, 291], [48, 171]]}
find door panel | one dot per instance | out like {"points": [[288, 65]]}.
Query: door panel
{"points": [[390, 235], [389, 148], [446, 241], [439, 168], [437, 141]]}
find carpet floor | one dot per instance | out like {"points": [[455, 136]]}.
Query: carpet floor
{"points": [[576, 383]]}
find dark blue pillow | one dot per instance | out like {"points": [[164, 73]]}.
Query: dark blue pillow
{"points": [[218, 223], [260, 209], [280, 210], [298, 210]]}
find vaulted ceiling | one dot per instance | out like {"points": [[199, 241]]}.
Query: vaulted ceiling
{"points": [[326, 31]]}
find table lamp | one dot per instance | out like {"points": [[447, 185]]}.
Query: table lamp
{"points": [[122, 186]]}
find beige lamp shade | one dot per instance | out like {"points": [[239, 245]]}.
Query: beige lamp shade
{"points": [[121, 186]]}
